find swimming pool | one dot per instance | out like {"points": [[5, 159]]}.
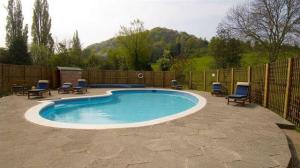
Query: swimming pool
{"points": [[117, 109]]}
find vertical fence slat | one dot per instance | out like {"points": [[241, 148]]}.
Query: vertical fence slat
{"points": [[232, 81], [204, 77], [249, 74], [190, 80], [287, 89], [218, 72], [293, 114], [266, 86]]}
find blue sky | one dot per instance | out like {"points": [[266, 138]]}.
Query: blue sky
{"points": [[99, 20]]}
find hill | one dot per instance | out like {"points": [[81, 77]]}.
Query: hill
{"points": [[161, 38]]}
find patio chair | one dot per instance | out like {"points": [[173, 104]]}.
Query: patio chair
{"points": [[175, 85], [81, 86], [241, 95], [42, 87], [216, 88], [65, 88]]}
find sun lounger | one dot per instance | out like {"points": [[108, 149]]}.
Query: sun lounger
{"points": [[81, 86], [66, 88], [175, 85], [216, 88], [241, 95], [42, 87]]}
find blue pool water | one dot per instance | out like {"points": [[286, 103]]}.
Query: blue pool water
{"points": [[129, 106]]}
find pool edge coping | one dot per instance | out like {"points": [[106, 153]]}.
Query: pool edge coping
{"points": [[32, 114]]}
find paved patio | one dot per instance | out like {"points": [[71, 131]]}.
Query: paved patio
{"points": [[218, 136]]}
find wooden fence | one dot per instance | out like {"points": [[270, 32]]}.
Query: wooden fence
{"points": [[28, 75], [275, 85], [150, 78]]}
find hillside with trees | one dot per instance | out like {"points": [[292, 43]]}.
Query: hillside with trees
{"points": [[162, 43]]}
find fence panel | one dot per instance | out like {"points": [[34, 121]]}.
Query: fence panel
{"points": [[210, 77], [225, 80], [277, 86], [148, 78], [294, 99], [118, 77], [93, 76], [198, 80], [182, 78], [158, 79], [240, 75], [33, 74], [257, 84], [168, 76]]}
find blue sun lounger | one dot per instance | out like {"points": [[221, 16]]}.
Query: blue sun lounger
{"points": [[241, 95], [42, 87], [81, 86], [175, 85], [216, 88], [65, 88]]}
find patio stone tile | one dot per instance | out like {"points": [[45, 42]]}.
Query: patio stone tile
{"points": [[218, 136]]}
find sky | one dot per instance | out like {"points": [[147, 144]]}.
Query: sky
{"points": [[99, 20]]}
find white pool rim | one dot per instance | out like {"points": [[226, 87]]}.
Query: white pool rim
{"points": [[33, 114]]}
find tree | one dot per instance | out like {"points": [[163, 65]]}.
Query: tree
{"points": [[116, 59], [4, 57], [165, 62], [75, 51], [269, 22], [227, 52], [41, 25], [61, 58], [134, 40], [16, 35], [40, 54]]}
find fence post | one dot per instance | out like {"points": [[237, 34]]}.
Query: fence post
{"points": [[204, 81], [249, 74], [127, 77], [287, 88], [190, 80], [163, 79], [232, 81], [152, 78], [266, 87], [218, 71], [24, 74], [174, 75]]}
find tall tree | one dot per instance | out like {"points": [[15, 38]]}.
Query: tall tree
{"points": [[269, 22], [227, 52], [136, 44], [76, 51], [41, 25], [16, 35], [76, 45]]}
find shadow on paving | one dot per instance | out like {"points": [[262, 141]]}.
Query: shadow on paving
{"points": [[294, 163]]}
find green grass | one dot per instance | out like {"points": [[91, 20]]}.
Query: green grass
{"points": [[201, 63], [253, 58]]}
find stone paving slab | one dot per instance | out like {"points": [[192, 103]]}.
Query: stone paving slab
{"points": [[219, 135]]}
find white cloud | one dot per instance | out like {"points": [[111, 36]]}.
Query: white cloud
{"points": [[98, 20]]}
